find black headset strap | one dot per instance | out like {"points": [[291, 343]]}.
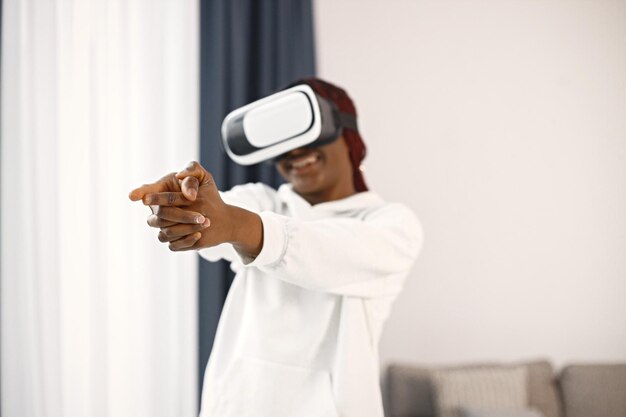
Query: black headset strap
{"points": [[348, 120]]}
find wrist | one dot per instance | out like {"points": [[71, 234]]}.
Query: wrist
{"points": [[247, 231]]}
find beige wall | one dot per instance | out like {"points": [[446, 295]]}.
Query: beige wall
{"points": [[503, 124]]}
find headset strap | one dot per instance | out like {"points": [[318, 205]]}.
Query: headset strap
{"points": [[348, 120]]}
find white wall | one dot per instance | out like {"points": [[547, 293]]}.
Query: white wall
{"points": [[503, 124]]}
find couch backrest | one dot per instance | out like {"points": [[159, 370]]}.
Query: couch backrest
{"points": [[408, 389], [594, 390]]}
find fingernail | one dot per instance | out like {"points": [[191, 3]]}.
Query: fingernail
{"points": [[200, 219], [192, 193], [206, 223]]}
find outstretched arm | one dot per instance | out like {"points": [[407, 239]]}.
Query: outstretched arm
{"points": [[191, 214], [368, 257]]}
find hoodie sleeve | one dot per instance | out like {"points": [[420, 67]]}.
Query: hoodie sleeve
{"points": [[368, 257], [255, 197]]}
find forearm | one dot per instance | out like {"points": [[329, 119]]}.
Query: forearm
{"points": [[247, 234], [348, 256]]}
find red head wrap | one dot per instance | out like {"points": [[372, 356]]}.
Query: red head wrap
{"points": [[353, 138]]}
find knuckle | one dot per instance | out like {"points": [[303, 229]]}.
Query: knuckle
{"points": [[168, 178], [188, 241], [171, 198], [209, 177]]}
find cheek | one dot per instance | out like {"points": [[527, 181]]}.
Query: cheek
{"points": [[334, 162]]}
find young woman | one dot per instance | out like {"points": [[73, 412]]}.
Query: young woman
{"points": [[319, 263]]}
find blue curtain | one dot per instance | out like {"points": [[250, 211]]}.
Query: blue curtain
{"points": [[249, 49]]}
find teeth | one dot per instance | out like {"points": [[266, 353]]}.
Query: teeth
{"points": [[302, 162]]}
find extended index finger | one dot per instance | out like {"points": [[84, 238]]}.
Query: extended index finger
{"points": [[139, 192], [166, 199], [166, 183]]}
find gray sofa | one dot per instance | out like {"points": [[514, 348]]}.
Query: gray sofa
{"points": [[577, 391]]}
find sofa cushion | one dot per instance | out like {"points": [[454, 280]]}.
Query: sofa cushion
{"points": [[543, 394], [408, 389], [481, 412], [493, 387], [594, 390]]}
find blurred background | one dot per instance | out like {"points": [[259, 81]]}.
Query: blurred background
{"points": [[501, 123]]}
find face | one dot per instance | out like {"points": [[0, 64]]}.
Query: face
{"points": [[319, 174]]}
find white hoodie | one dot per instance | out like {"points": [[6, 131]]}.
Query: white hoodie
{"points": [[298, 335]]}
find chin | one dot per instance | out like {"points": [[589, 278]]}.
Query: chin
{"points": [[306, 187]]}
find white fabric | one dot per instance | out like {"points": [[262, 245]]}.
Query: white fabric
{"points": [[299, 332], [98, 318]]}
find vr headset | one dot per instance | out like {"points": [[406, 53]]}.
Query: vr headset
{"points": [[272, 126]]}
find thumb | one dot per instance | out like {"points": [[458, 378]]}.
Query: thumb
{"points": [[193, 169], [193, 176], [189, 187]]}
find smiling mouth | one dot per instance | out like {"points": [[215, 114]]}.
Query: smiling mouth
{"points": [[302, 162]]}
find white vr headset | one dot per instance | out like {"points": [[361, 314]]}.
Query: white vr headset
{"points": [[274, 125]]}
